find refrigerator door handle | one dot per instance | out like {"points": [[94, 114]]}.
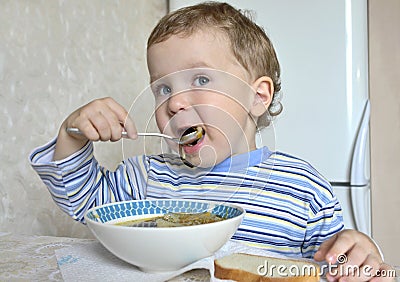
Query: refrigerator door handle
{"points": [[358, 176], [359, 181]]}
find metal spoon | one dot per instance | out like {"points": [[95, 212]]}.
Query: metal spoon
{"points": [[186, 139]]}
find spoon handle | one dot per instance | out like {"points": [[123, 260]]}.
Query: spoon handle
{"points": [[75, 130]]}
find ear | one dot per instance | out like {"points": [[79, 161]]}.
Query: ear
{"points": [[264, 90]]}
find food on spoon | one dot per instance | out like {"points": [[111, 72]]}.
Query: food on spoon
{"points": [[182, 152], [192, 135], [173, 220]]}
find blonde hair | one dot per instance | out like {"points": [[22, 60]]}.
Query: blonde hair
{"points": [[250, 44]]}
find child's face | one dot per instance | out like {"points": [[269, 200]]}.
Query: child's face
{"points": [[197, 81]]}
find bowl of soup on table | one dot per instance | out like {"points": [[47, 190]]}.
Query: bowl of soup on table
{"points": [[164, 235]]}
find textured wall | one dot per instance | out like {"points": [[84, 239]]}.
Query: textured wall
{"points": [[54, 57]]}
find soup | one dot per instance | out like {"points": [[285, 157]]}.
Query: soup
{"points": [[173, 220]]}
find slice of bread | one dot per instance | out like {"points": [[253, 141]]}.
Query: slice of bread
{"points": [[246, 267]]}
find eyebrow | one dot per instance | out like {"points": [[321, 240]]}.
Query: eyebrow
{"points": [[193, 65]]}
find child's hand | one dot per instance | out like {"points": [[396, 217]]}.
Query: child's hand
{"points": [[103, 119], [356, 256]]}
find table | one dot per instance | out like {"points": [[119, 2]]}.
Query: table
{"points": [[33, 258], [29, 258]]}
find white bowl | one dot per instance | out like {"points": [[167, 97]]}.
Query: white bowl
{"points": [[155, 249]]}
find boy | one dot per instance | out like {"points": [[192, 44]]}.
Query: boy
{"points": [[211, 68]]}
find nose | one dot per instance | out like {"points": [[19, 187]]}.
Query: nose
{"points": [[178, 102]]}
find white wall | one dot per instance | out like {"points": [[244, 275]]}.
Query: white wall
{"points": [[54, 57]]}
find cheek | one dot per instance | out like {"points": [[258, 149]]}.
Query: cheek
{"points": [[223, 113], [161, 119], [227, 125]]}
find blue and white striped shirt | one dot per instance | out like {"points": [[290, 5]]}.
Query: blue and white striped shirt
{"points": [[290, 207]]}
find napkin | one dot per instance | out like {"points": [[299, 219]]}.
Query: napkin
{"points": [[92, 262]]}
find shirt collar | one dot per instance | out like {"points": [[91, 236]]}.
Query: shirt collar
{"points": [[243, 161]]}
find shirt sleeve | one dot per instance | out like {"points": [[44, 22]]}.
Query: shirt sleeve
{"points": [[324, 220], [78, 183]]}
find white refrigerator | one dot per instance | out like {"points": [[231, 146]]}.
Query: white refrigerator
{"points": [[322, 49]]}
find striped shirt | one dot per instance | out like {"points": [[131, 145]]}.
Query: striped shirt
{"points": [[290, 207]]}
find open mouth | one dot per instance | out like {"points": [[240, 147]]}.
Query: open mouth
{"points": [[192, 136]]}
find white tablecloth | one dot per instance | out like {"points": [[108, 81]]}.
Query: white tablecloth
{"points": [[47, 258]]}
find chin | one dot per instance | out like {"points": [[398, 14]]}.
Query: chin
{"points": [[196, 162], [204, 160]]}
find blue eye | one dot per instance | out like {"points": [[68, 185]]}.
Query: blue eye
{"points": [[163, 90], [201, 81]]}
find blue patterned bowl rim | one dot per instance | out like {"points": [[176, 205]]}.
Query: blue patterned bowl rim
{"points": [[118, 210]]}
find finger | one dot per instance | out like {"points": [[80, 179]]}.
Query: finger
{"points": [[123, 117], [94, 120], [104, 118], [355, 262], [101, 125], [324, 248], [343, 244], [130, 128], [360, 272], [86, 128], [114, 115], [112, 125], [90, 121], [370, 267]]}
